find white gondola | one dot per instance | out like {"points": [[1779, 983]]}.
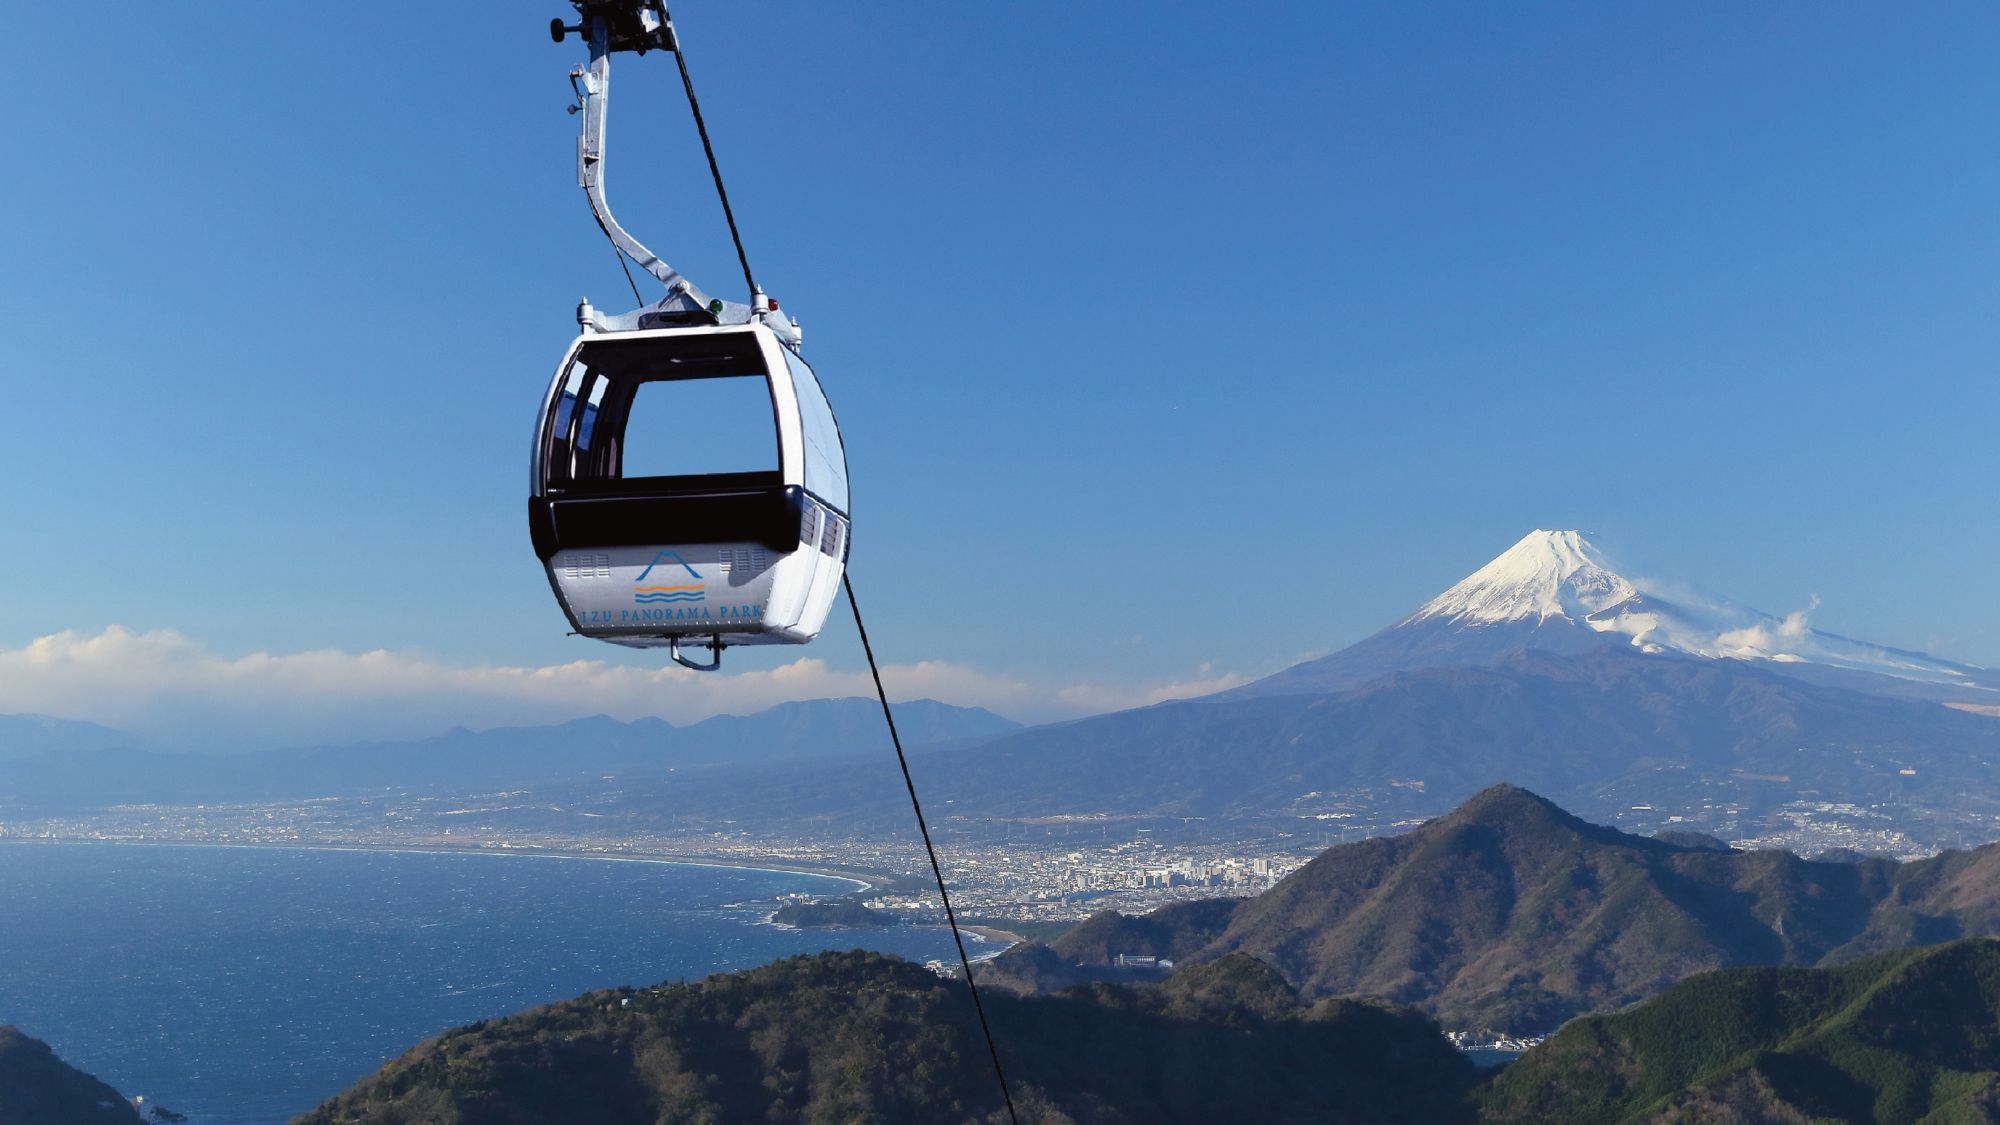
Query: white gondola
{"points": [[714, 558], [641, 547]]}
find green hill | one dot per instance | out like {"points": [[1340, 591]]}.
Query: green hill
{"points": [[37, 1088], [1086, 952], [1903, 1037], [1173, 932], [863, 1037]]}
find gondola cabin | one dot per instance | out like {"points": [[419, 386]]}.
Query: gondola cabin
{"points": [[689, 489]]}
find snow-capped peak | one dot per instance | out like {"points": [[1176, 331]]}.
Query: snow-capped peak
{"points": [[1547, 574], [1551, 580], [1555, 592]]}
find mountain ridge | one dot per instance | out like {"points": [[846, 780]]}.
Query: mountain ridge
{"points": [[462, 760], [1511, 914], [31, 735], [865, 1037]]}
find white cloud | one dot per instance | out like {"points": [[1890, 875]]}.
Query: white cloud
{"points": [[171, 689], [1769, 638], [1090, 699]]}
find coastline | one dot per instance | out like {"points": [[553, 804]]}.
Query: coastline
{"points": [[1006, 939], [712, 940], [863, 881], [984, 935]]}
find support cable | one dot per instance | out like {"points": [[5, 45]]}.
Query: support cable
{"points": [[714, 169], [628, 272], [847, 582], [924, 828]]}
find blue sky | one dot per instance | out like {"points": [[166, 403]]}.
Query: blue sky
{"points": [[1171, 343]]}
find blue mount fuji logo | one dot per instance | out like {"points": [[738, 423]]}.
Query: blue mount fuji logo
{"points": [[683, 592]]}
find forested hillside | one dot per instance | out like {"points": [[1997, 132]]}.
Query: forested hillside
{"points": [[1901, 1037], [863, 1037], [37, 1088]]}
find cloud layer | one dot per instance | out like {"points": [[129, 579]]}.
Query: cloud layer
{"points": [[172, 690]]}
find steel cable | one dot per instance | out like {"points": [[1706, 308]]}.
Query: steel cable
{"points": [[847, 583], [714, 169], [924, 828]]}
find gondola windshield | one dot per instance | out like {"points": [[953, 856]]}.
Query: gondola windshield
{"points": [[659, 415]]}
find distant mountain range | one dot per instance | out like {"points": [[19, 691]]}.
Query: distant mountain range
{"points": [[1546, 667], [1512, 915], [1580, 725], [1600, 730], [26, 736], [81, 774]]}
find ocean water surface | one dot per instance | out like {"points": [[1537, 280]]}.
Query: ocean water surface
{"points": [[244, 985]]}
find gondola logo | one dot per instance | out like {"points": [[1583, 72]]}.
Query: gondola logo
{"points": [[659, 594]]}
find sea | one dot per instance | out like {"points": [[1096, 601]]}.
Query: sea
{"points": [[244, 985]]}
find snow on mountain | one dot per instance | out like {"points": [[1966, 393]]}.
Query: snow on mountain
{"points": [[1547, 574], [1556, 591], [1551, 574]]}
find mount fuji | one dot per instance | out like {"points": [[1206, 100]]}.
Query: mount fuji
{"points": [[1550, 668], [1554, 591]]}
